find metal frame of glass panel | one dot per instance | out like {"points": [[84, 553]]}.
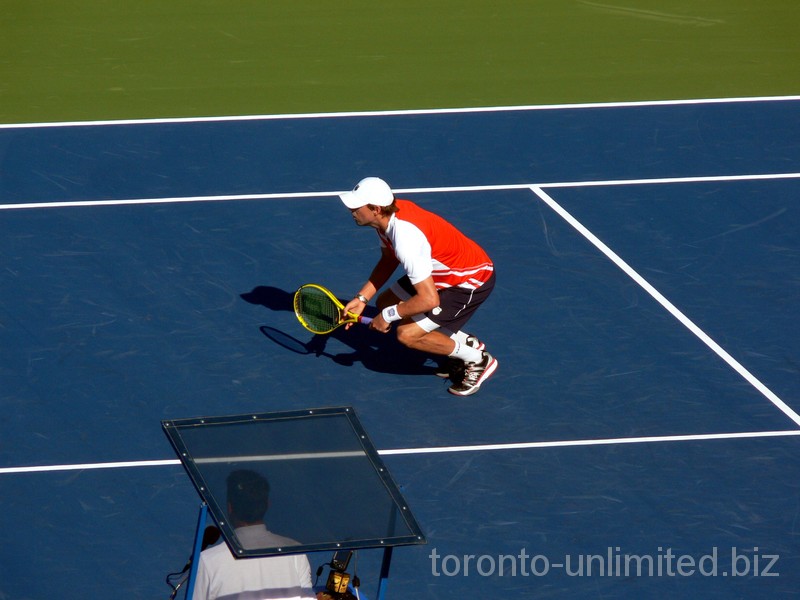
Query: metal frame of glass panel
{"points": [[333, 490]]}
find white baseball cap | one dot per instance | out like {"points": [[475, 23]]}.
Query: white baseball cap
{"points": [[370, 190]]}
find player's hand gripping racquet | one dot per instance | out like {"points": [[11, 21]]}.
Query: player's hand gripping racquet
{"points": [[319, 311]]}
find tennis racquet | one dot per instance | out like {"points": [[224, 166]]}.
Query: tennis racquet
{"points": [[319, 311]]}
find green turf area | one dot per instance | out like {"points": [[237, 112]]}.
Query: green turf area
{"points": [[96, 59]]}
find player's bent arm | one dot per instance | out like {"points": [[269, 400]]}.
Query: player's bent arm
{"points": [[380, 274], [426, 299], [384, 269]]}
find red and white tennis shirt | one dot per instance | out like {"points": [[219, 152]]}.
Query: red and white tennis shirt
{"points": [[428, 246]]}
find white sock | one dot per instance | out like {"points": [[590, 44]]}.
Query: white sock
{"points": [[466, 353], [459, 337]]}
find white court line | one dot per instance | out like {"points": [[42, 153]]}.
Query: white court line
{"points": [[395, 113], [175, 200], [671, 308], [418, 190], [89, 466], [444, 449], [599, 442], [698, 179]]}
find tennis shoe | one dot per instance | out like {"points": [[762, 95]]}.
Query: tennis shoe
{"points": [[475, 343], [475, 374], [453, 368]]}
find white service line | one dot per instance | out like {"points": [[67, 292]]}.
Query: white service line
{"points": [[658, 180], [673, 310], [175, 200], [701, 437], [89, 466], [417, 190]]}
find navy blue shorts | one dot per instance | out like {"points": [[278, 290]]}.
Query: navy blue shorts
{"points": [[456, 305]]}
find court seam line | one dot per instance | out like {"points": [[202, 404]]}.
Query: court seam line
{"points": [[418, 190], [401, 112], [666, 304], [445, 449]]}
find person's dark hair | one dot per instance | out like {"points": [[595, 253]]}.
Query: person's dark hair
{"points": [[386, 210], [248, 495]]}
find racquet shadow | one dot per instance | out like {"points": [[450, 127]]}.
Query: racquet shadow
{"points": [[375, 351]]}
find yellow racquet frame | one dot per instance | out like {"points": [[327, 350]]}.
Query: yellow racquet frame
{"points": [[319, 311]]}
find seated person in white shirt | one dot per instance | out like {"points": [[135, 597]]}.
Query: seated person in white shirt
{"points": [[220, 576]]}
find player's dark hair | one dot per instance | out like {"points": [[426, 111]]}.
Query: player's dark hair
{"points": [[248, 495], [386, 210]]}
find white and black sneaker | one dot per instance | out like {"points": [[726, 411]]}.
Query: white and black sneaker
{"points": [[453, 368], [475, 374]]}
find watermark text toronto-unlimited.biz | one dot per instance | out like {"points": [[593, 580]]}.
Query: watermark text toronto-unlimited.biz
{"points": [[664, 562]]}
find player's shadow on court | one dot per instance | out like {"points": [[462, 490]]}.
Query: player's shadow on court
{"points": [[375, 351]]}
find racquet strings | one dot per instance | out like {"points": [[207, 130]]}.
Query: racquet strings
{"points": [[317, 309]]}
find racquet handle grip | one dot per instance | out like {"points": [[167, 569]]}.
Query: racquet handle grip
{"points": [[364, 320]]}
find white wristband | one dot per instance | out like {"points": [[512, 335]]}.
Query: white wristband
{"points": [[390, 314]]}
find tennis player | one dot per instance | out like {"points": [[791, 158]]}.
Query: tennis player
{"points": [[447, 277]]}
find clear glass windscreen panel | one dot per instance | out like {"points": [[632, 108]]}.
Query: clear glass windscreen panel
{"points": [[324, 489]]}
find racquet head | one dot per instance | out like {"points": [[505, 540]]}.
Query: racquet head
{"points": [[319, 311]]}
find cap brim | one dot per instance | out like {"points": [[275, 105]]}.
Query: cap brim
{"points": [[351, 200]]}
